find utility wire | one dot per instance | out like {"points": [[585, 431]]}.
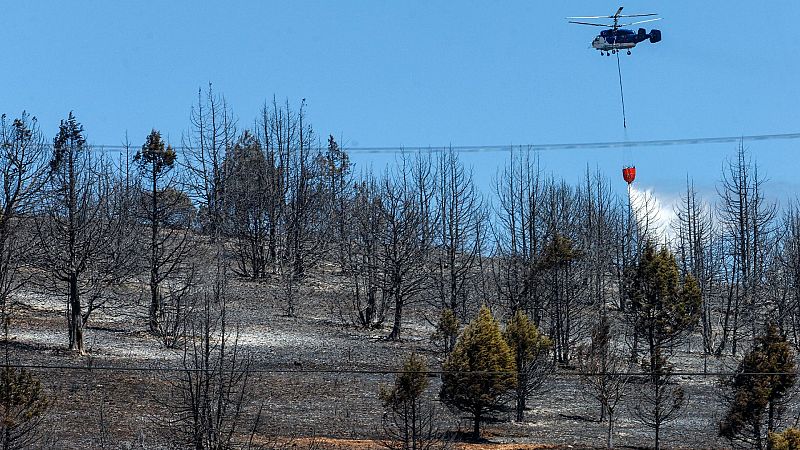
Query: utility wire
{"points": [[523, 147], [372, 371]]}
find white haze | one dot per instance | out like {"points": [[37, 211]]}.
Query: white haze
{"points": [[663, 207]]}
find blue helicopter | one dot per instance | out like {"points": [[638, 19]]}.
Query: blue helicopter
{"points": [[615, 38]]}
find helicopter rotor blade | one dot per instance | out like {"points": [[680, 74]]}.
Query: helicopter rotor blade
{"points": [[592, 24], [641, 21], [611, 17], [591, 17], [617, 13]]}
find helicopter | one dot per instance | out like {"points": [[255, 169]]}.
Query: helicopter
{"points": [[615, 38]]}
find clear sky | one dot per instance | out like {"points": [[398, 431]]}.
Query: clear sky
{"points": [[424, 73]]}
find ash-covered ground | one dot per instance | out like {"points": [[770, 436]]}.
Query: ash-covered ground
{"points": [[294, 379]]}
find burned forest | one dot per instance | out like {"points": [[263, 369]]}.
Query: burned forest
{"points": [[247, 285]]}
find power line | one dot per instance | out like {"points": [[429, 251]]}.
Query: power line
{"points": [[524, 147], [334, 371]]}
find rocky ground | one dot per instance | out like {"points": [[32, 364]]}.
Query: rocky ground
{"points": [[295, 381]]}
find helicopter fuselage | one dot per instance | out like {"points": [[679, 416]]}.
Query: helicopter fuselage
{"points": [[621, 39]]}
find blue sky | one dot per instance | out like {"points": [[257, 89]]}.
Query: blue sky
{"points": [[422, 73]]}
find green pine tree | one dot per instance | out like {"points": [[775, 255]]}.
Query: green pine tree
{"points": [[409, 419], [446, 331], [664, 308], [155, 160], [479, 371], [530, 349], [23, 404], [756, 398]]}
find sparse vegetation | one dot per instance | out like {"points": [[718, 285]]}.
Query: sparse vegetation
{"points": [[336, 274]]}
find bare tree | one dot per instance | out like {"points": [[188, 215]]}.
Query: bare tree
{"points": [[249, 193], [335, 193], [83, 228], [458, 235], [604, 369], [786, 275], [168, 246], [598, 238], [22, 167], [747, 221], [209, 397], [410, 417], [368, 300], [23, 404], [699, 253], [212, 134], [518, 236], [562, 273], [404, 253], [302, 247]]}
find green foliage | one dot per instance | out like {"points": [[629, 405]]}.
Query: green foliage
{"points": [[155, 157], [480, 370], [755, 395], [446, 331], [336, 162], [788, 439], [22, 405], [180, 212], [664, 308], [408, 385], [530, 350], [70, 138], [524, 339], [410, 417], [559, 252]]}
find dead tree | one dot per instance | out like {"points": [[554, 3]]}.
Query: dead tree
{"points": [[83, 229], [747, 222], [295, 185], [22, 168], [209, 397], [249, 193], [404, 253], [212, 135], [458, 236], [787, 275], [336, 188], [23, 404], [369, 301], [698, 251], [168, 246], [562, 273], [518, 236], [566, 307], [597, 235], [605, 372]]}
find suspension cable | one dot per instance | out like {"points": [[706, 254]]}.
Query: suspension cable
{"points": [[621, 94]]}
